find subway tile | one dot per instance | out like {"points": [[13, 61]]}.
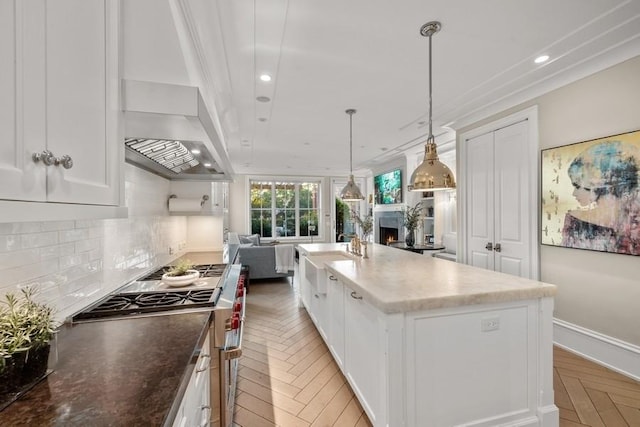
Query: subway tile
{"points": [[57, 225], [87, 245], [56, 251], [20, 227], [38, 240], [9, 243], [73, 235], [73, 260], [19, 258], [87, 223]]}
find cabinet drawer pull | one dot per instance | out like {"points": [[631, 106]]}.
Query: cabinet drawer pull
{"points": [[354, 295], [66, 161], [316, 295], [334, 278], [206, 409], [204, 362]]}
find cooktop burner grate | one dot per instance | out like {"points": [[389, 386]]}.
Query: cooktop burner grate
{"points": [[149, 302], [206, 270]]}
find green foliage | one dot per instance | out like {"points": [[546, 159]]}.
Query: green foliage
{"points": [[24, 323], [411, 216], [180, 268], [365, 223]]}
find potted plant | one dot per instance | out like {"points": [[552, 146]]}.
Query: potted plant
{"points": [[181, 274], [26, 330], [410, 217], [366, 225]]}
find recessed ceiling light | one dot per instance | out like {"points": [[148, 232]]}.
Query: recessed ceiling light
{"points": [[263, 99], [195, 151], [265, 77], [540, 59], [207, 165]]}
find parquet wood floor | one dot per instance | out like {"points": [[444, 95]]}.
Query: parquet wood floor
{"points": [[588, 394], [287, 376]]}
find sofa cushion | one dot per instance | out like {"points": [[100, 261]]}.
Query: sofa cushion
{"points": [[253, 238]]}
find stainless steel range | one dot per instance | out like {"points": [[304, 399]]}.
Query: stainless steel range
{"points": [[220, 289]]}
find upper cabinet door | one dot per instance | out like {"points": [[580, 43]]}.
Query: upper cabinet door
{"points": [[21, 100], [82, 100]]}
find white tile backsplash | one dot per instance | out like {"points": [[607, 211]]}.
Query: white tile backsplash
{"points": [[76, 262]]}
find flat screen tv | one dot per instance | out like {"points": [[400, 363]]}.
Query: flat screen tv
{"points": [[388, 187]]}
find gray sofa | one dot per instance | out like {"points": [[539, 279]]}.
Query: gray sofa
{"points": [[261, 260]]}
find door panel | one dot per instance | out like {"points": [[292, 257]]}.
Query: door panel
{"points": [[480, 200], [21, 100], [79, 111], [513, 215]]}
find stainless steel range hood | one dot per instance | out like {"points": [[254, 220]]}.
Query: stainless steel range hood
{"points": [[170, 132]]}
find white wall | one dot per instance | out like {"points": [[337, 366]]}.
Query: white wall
{"points": [[598, 291], [75, 262], [204, 233]]}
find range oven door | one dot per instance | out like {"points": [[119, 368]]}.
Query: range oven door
{"points": [[229, 323], [229, 359]]}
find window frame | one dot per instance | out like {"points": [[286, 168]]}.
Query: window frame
{"points": [[297, 181]]}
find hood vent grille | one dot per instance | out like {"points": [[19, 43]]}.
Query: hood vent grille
{"points": [[172, 155]]}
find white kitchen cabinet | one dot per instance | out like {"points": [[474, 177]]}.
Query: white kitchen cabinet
{"points": [[195, 409], [335, 302], [320, 308], [303, 281], [364, 361], [59, 94]]}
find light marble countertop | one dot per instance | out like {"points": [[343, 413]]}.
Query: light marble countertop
{"points": [[396, 281]]}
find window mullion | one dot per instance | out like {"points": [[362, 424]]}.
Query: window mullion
{"points": [[297, 209]]}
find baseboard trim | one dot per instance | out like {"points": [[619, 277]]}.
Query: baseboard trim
{"points": [[604, 350]]}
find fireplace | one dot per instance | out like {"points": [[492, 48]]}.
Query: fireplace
{"points": [[388, 235], [388, 226]]}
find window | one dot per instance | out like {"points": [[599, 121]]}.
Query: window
{"points": [[284, 208]]}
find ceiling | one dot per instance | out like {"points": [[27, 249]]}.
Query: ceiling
{"points": [[327, 56]]}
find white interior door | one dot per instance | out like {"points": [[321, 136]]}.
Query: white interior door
{"points": [[480, 200], [498, 198], [512, 195]]}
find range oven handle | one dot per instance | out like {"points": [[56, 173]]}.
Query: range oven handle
{"points": [[236, 351]]}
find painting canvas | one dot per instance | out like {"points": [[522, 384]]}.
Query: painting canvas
{"points": [[591, 196], [388, 187]]}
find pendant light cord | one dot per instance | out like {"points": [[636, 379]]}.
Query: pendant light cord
{"points": [[351, 143], [430, 121]]}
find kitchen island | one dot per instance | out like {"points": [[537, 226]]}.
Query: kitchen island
{"points": [[430, 342]]}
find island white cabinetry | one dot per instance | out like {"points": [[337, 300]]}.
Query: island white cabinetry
{"points": [[426, 342], [195, 409], [60, 105], [364, 354], [335, 300]]}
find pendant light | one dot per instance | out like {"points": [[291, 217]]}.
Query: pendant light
{"points": [[431, 174], [351, 192]]}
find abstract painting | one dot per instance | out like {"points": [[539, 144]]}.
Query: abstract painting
{"points": [[591, 195]]}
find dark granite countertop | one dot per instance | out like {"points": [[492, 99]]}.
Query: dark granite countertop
{"points": [[124, 372]]}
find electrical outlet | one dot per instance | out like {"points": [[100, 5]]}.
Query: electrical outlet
{"points": [[490, 324], [170, 250]]}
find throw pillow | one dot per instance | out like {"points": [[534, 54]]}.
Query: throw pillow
{"points": [[254, 238]]}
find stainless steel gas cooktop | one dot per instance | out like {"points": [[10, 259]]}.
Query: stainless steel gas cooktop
{"points": [[151, 295]]}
